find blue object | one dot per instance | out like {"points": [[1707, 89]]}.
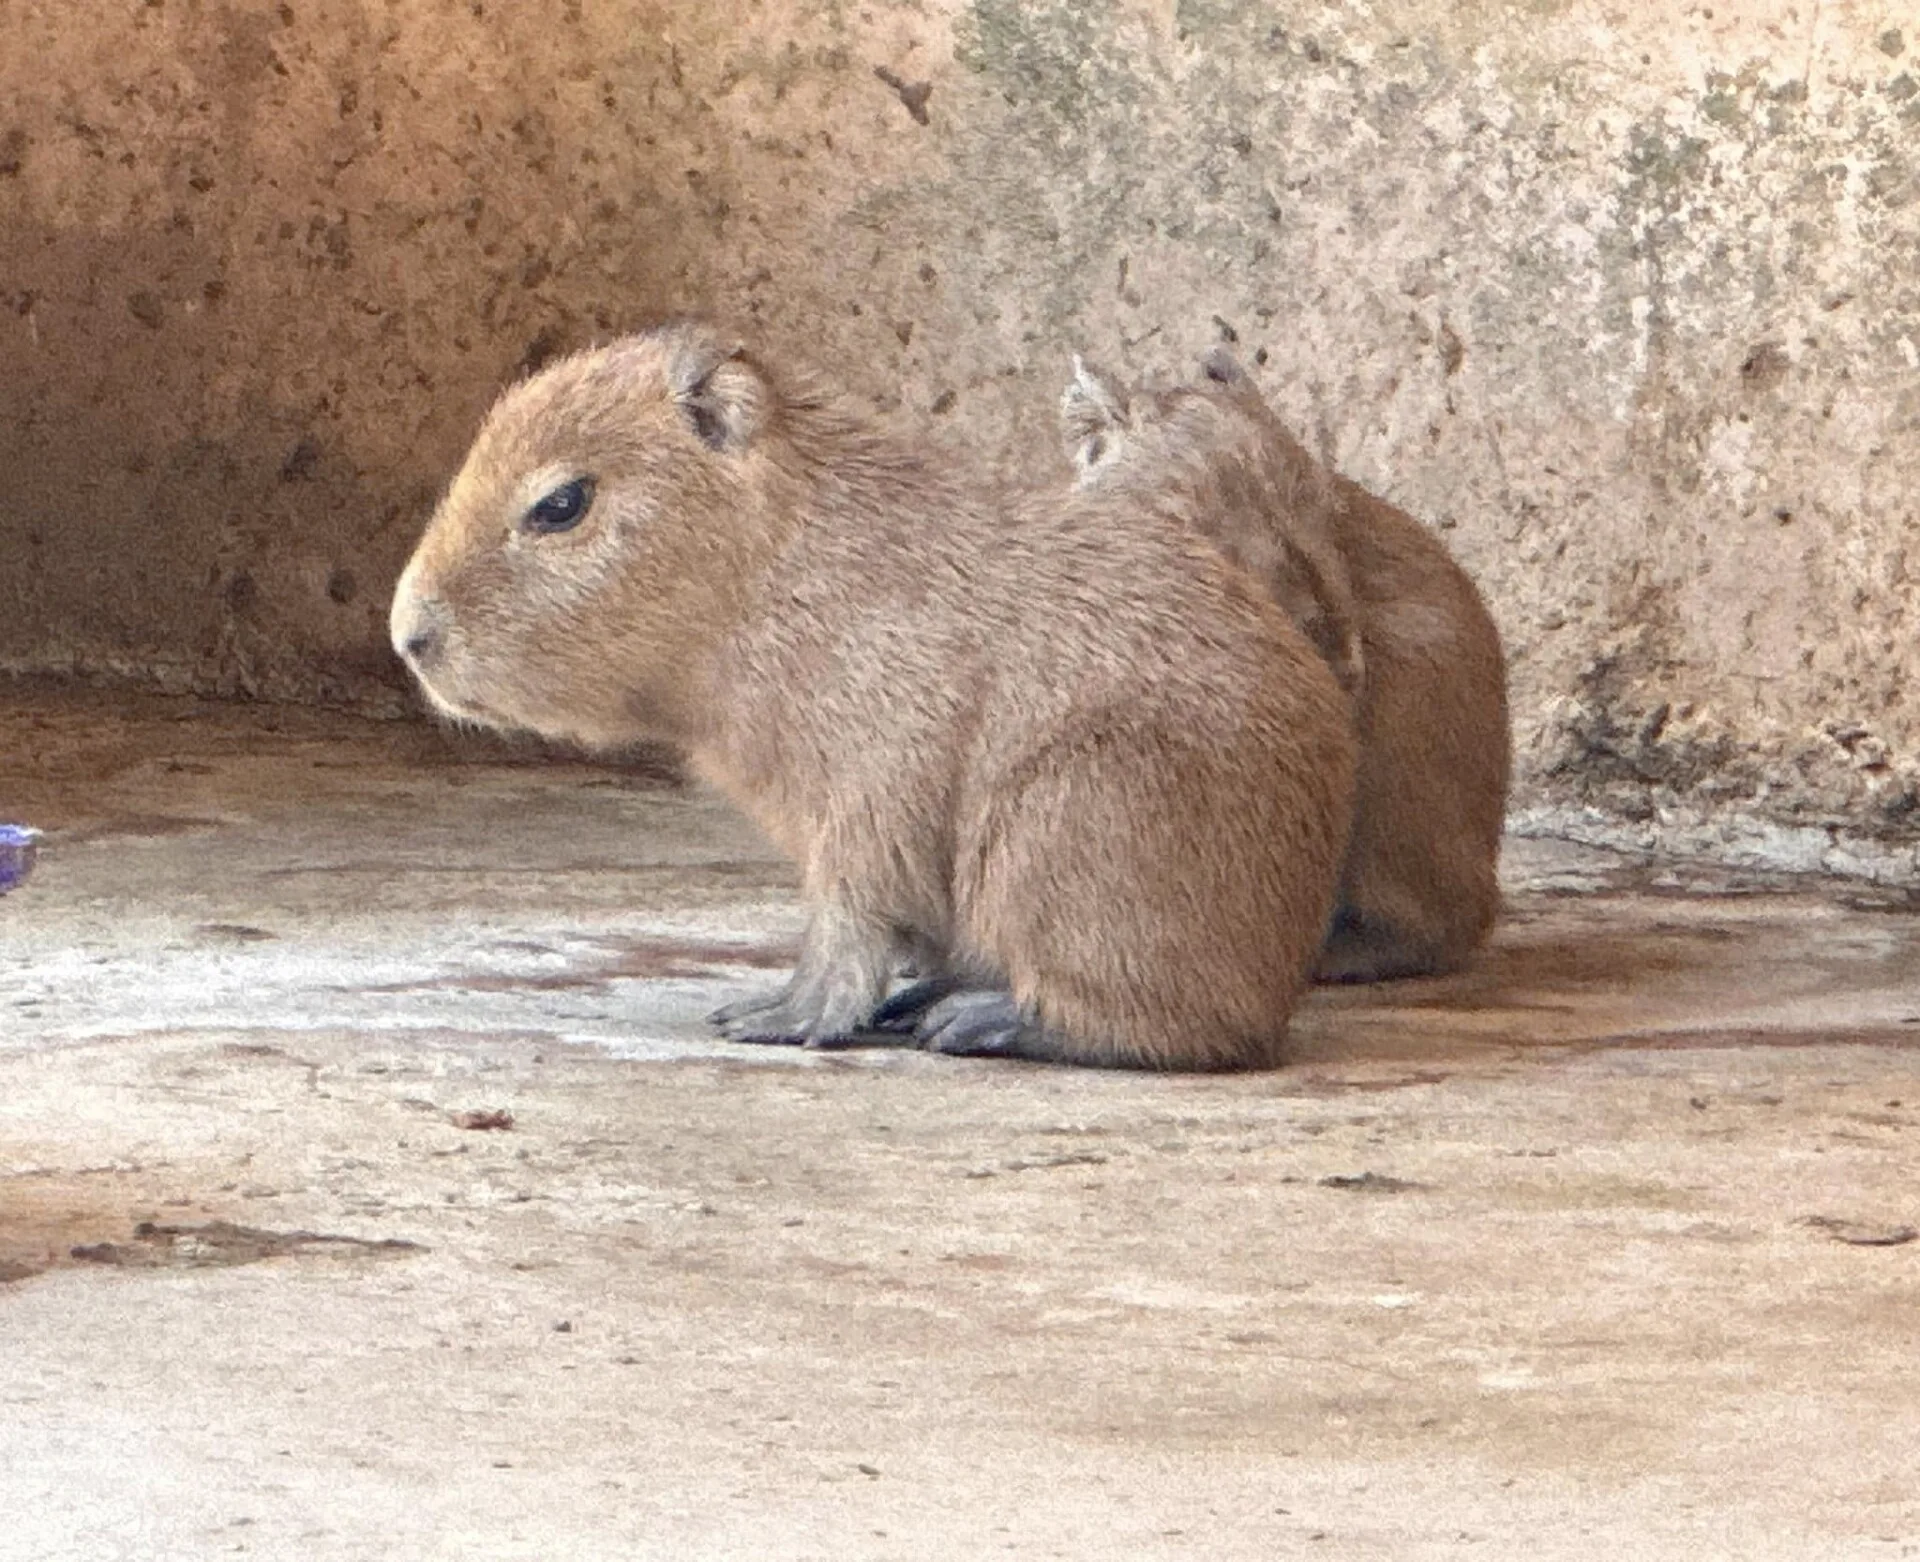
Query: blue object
{"points": [[18, 848]]}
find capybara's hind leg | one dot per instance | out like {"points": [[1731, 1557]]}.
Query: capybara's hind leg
{"points": [[984, 1022], [1362, 949], [1148, 906]]}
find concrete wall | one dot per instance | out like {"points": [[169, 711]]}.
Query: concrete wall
{"points": [[1625, 297]]}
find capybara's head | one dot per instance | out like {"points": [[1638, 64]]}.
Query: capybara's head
{"points": [[1215, 424], [1216, 455], [585, 557]]}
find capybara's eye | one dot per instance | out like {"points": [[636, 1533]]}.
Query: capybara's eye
{"points": [[563, 509]]}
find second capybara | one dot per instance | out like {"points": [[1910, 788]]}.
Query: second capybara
{"points": [[1398, 620]]}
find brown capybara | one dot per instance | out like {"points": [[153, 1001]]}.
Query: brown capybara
{"points": [[1058, 754], [1397, 619]]}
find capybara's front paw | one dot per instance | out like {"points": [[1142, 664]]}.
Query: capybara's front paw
{"points": [[794, 1016], [766, 1017]]}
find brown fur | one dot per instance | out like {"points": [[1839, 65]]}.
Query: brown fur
{"points": [[1398, 620], [1033, 748]]}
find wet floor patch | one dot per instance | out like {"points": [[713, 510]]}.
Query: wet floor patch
{"points": [[134, 827], [60, 1218], [1370, 1182], [234, 933], [214, 1244], [221, 1244], [1861, 1233], [613, 960]]}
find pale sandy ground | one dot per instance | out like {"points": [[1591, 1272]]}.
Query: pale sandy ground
{"points": [[1566, 1258]]}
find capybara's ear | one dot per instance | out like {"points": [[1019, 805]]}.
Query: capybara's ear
{"points": [[721, 395], [1222, 367], [1093, 417]]}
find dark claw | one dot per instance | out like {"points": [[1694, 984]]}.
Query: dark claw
{"points": [[763, 1028], [760, 1018], [771, 1022], [904, 1009]]}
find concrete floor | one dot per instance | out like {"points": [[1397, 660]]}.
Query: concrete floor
{"points": [[1595, 1251]]}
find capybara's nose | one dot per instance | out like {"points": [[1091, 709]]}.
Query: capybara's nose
{"points": [[419, 632]]}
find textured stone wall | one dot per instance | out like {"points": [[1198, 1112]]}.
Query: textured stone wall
{"points": [[1625, 298]]}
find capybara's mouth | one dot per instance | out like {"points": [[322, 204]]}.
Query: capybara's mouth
{"points": [[458, 706], [480, 715]]}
